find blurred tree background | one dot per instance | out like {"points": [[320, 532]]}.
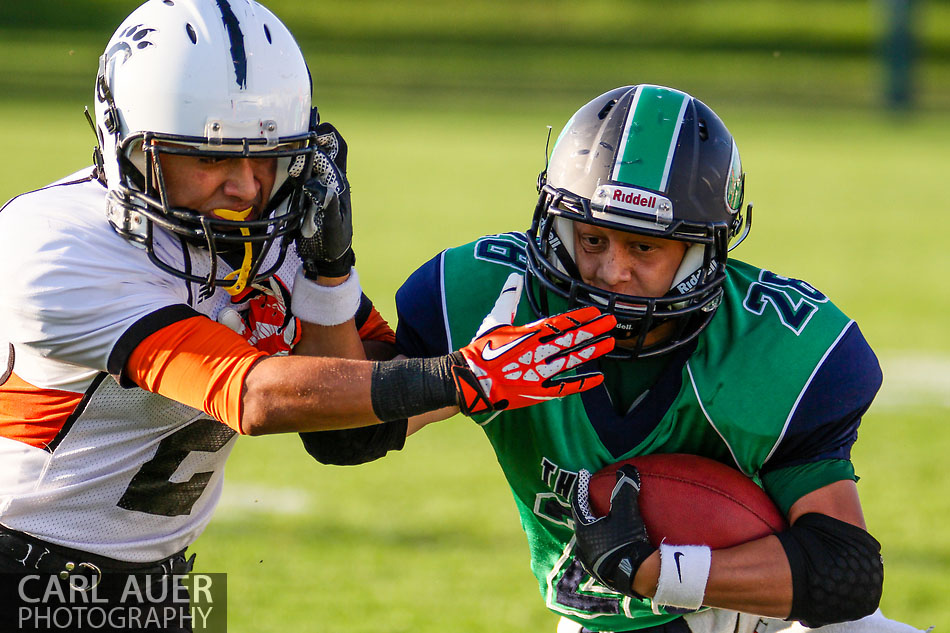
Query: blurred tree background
{"points": [[806, 53]]}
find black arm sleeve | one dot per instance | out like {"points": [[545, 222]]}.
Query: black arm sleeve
{"points": [[349, 447]]}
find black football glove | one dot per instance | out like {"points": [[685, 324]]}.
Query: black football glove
{"points": [[333, 172], [325, 241], [611, 548]]}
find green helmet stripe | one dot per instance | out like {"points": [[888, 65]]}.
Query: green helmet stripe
{"points": [[649, 137]]}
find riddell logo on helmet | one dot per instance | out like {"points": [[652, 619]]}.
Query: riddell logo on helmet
{"points": [[647, 204], [638, 199]]}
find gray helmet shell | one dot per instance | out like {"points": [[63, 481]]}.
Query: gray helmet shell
{"points": [[648, 160]]}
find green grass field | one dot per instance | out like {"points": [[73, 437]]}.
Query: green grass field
{"points": [[445, 113]]}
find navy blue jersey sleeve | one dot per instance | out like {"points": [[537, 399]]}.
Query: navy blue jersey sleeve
{"points": [[420, 310], [825, 423]]}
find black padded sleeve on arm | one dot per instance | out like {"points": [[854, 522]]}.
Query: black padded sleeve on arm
{"points": [[349, 447], [837, 570]]}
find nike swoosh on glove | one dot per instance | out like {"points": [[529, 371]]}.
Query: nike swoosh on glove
{"points": [[509, 367]]}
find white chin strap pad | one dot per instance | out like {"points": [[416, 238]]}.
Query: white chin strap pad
{"points": [[692, 261]]}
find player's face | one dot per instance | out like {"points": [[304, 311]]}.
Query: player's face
{"points": [[206, 184], [629, 264], [624, 262]]}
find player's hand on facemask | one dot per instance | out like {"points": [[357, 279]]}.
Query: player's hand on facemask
{"points": [[325, 241], [509, 367], [332, 173], [611, 548]]}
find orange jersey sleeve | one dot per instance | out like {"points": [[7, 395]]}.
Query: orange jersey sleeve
{"points": [[375, 328], [33, 415], [196, 362]]}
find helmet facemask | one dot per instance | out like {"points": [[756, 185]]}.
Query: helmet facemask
{"points": [[594, 190], [255, 249]]}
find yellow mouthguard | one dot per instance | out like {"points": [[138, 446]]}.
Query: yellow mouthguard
{"points": [[245, 270]]}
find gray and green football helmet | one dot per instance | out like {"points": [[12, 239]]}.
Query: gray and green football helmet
{"points": [[648, 160]]}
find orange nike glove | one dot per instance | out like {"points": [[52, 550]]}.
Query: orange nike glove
{"points": [[509, 367]]}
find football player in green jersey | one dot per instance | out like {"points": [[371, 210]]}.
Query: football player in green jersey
{"points": [[638, 209]]}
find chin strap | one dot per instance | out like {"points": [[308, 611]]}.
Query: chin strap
{"points": [[244, 271]]}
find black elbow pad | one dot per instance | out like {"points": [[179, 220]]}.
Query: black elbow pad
{"points": [[837, 570], [348, 447]]}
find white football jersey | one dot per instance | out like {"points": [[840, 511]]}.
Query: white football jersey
{"points": [[130, 474]]}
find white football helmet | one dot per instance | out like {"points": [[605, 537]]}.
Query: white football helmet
{"points": [[223, 78]]}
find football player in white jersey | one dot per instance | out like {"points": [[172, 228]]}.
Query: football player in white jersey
{"points": [[193, 285]]}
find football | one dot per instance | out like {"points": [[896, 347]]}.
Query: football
{"points": [[692, 500]]}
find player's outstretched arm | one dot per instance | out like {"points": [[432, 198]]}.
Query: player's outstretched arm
{"points": [[508, 367]]}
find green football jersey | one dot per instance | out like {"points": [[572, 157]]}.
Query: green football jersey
{"points": [[731, 397]]}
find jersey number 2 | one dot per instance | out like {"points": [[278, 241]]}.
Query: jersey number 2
{"points": [[777, 291], [151, 489]]}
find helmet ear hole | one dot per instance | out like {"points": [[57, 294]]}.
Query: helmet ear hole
{"points": [[703, 130], [606, 109]]}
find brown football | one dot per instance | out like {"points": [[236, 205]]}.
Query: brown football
{"points": [[692, 500]]}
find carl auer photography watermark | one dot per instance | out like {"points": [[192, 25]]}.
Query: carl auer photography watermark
{"points": [[113, 602]]}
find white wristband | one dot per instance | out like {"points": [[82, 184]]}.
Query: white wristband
{"points": [[684, 570], [325, 305]]}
